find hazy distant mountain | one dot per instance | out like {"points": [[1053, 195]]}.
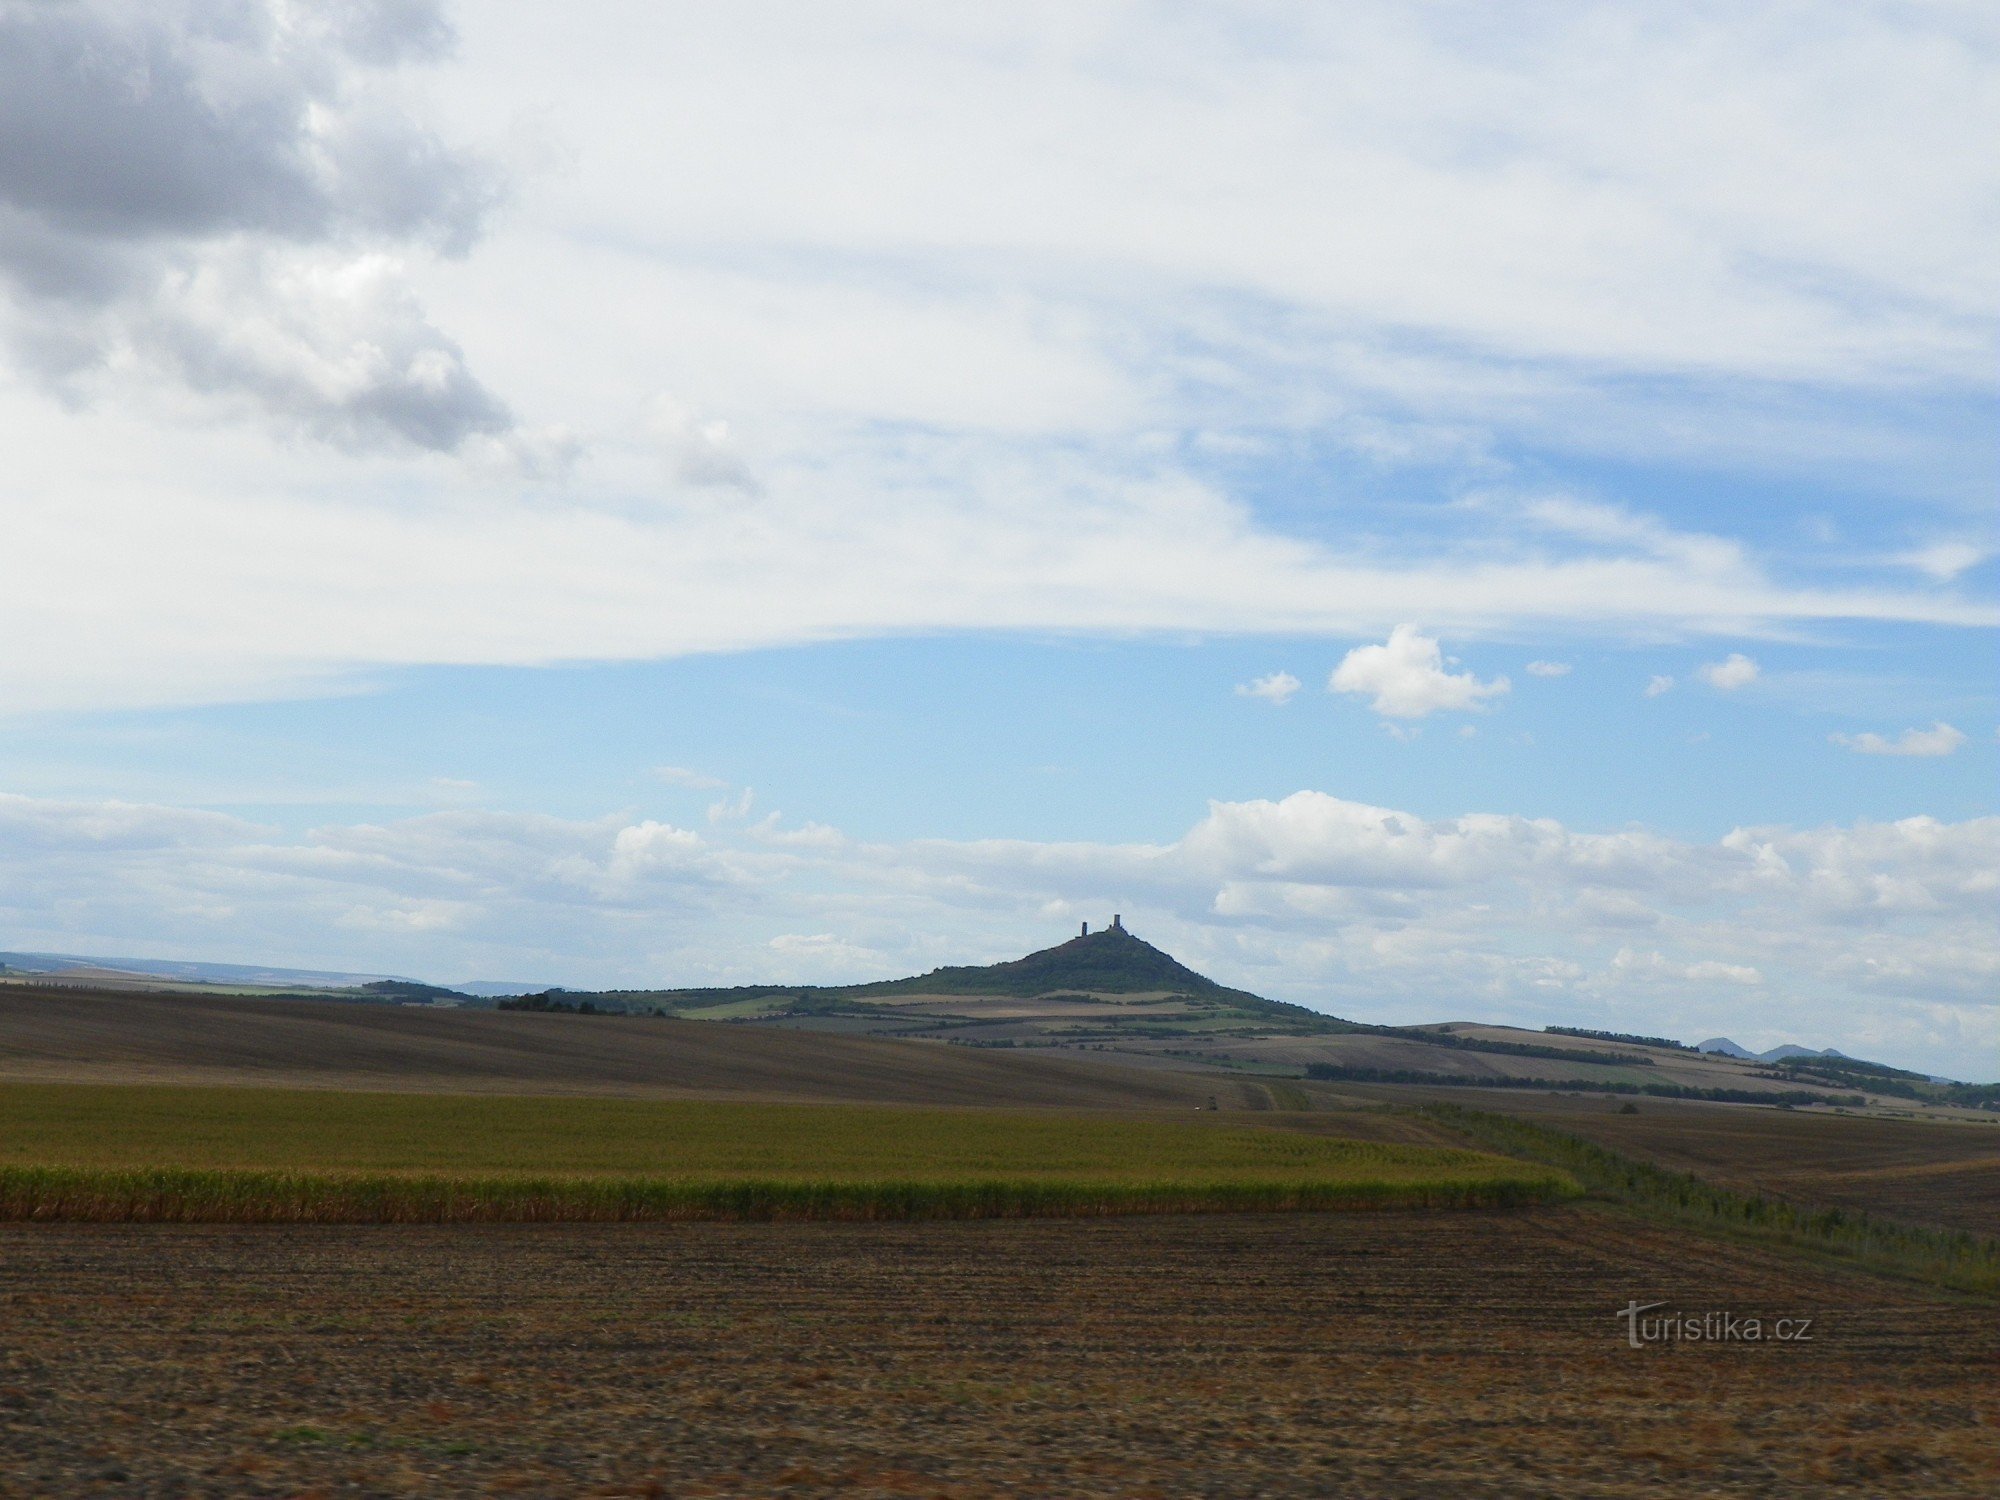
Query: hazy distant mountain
{"points": [[57, 965], [1723, 1045], [186, 972], [1728, 1048]]}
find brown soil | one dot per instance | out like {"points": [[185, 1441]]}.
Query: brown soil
{"points": [[1471, 1355], [1922, 1171], [92, 1036]]}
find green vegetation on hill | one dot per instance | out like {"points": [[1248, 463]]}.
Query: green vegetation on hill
{"points": [[409, 991], [1950, 1257], [1109, 962], [1880, 1078], [1618, 1036]]}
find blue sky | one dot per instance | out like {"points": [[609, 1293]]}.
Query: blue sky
{"points": [[809, 496], [1062, 738]]}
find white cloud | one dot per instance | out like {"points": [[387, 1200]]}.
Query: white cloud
{"points": [[701, 452], [1276, 688], [1944, 561], [816, 951], [1549, 669], [221, 199], [140, 592], [1658, 684], [1407, 680], [732, 809], [1635, 965], [1940, 739], [1733, 672], [34, 823], [646, 848], [809, 835], [901, 403]]}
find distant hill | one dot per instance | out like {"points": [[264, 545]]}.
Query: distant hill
{"points": [[1097, 987], [1728, 1048], [182, 971], [1110, 961], [410, 992]]}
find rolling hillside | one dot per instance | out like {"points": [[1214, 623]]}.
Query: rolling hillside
{"points": [[1108, 982]]}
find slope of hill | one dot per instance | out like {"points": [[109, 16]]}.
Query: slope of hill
{"points": [[1094, 990], [1110, 961], [79, 1035], [1107, 963]]}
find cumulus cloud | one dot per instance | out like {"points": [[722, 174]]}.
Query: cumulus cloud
{"points": [[1733, 672], [221, 195], [1276, 688], [1549, 669], [1940, 739], [1406, 679], [1658, 684]]}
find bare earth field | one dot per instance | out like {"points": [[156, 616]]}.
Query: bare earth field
{"points": [[93, 1037], [1468, 1354], [1919, 1171]]}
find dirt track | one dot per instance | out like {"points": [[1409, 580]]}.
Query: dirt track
{"points": [[87, 1036], [1388, 1355]]}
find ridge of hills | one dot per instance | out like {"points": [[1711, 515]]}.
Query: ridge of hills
{"points": [[1110, 962], [1728, 1048], [1112, 994], [1109, 977]]}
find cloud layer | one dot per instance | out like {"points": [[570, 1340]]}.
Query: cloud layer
{"points": [[1877, 938], [946, 319]]}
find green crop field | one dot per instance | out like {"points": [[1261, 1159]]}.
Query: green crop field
{"points": [[76, 1151]]}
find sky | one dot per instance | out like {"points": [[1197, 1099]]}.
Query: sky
{"points": [[1430, 512]]}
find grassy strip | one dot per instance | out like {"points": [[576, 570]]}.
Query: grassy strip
{"points": [[192, 1196], [1947, 1257]]}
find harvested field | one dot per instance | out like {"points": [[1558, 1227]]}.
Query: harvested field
{"points": [[1388, 1355], [115, 1153], [86, 1036], [1920, 1171]]}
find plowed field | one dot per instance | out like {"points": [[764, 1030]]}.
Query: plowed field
{"points": [[1392, 1354]]}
